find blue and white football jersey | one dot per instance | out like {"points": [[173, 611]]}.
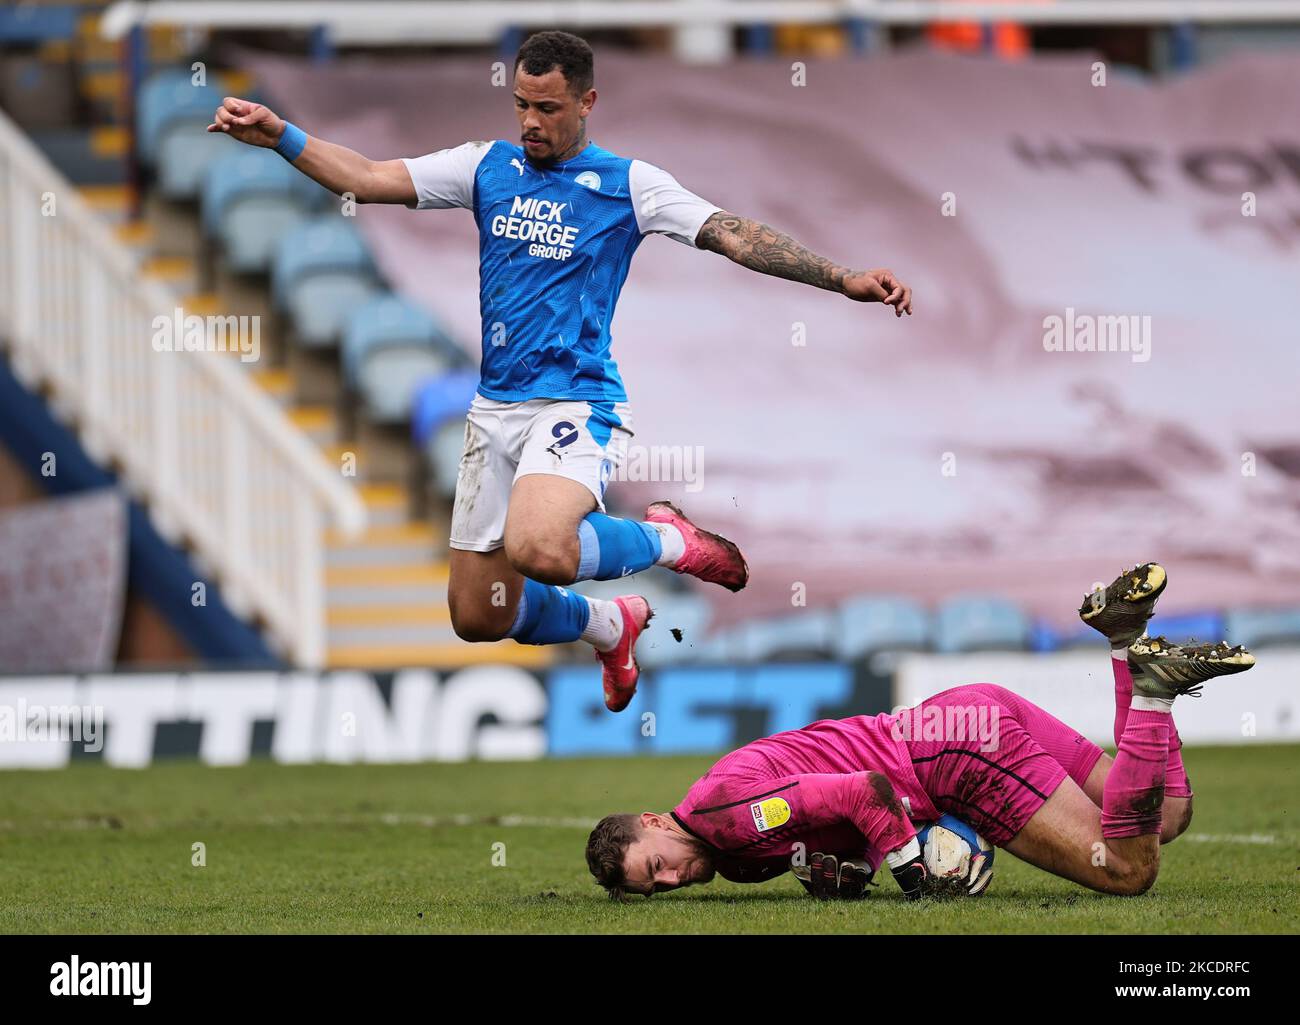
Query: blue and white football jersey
{"points": [[555, 244]]}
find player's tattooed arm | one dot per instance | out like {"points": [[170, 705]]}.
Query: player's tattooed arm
{"points": [[761, 247]]}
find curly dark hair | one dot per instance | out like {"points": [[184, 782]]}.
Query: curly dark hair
{"points": [[607, 847], [543, 51]]}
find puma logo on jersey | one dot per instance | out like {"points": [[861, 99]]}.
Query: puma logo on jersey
{"points": [[515, 163]]}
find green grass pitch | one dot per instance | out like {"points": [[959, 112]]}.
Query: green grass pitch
{"points": [[411, 849]]}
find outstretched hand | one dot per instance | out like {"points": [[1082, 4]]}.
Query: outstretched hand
{"points": [[247, 122], [879, 286]]}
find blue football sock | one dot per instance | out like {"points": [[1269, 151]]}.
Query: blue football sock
{"points": [[610, 548], [549, 615]]}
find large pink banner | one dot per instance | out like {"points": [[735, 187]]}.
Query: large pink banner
{"points": [[1102, 366]]}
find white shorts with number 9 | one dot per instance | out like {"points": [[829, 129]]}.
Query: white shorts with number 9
{"points": [[583, 441]]}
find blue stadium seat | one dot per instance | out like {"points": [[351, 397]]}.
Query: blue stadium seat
{"points": [[1200, 626], [251, 199], [1203, 626], [185, 152], [442, 451], [872, 623], [391, 346], [799, 633], [1045, 637], [439, 400], [322, 272], [38, 23], [1259, 627], [723, 647], [169, 100], [172, 115], [974, 623], [438, 424]]}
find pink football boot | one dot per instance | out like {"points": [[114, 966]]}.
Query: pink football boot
{"points": [[620, 671], [709, 557]]}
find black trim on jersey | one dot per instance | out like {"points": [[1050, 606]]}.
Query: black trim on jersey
{"points": [[678, 820], [987, 761], [762, 837], [746, 800], [730, 851]]}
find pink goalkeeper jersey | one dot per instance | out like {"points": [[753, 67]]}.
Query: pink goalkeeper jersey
{"points": [[813, 787]]}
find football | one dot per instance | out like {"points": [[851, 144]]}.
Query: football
{"points": [[959, 860]]}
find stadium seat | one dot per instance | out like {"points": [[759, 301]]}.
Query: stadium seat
{"points": [[1260, 627], [442, 453], [438, 424], [170, 101], [980, 624], [185, 151], [172, 114], [390, 348], [805, 633], [251, 199], [1045, 637], [872, 623], [439, 400], [36, 23], [1200, 626], [322, 272], [721, 647]]}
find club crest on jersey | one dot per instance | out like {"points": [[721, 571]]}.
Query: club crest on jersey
{"points": [[590, 179], [770, 813]]}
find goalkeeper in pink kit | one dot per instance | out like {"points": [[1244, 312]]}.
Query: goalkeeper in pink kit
{"points": [[839, 798]]}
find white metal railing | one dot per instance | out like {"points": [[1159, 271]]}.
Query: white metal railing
{"points": [[396, 21], [218, 463]]}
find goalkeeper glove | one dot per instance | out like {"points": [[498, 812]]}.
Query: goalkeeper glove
{"points": [[827, 877], [908, 866]]}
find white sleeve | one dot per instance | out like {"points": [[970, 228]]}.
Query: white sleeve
{"points": [[663, 206], [446, 178]]}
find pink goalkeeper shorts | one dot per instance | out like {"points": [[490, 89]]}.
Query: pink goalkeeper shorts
{"points": [[991, 758]]}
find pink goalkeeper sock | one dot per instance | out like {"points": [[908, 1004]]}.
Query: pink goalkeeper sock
{"points": [[1123, 691], [1135, 785], [1176, 782]]}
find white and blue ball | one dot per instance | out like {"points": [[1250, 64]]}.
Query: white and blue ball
{"points": [[959, 860]]}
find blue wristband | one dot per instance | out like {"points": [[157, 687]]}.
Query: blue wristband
{"points": [[292, 142]]}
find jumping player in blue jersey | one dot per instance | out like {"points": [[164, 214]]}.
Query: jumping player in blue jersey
{"points": [[559, 219]]}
